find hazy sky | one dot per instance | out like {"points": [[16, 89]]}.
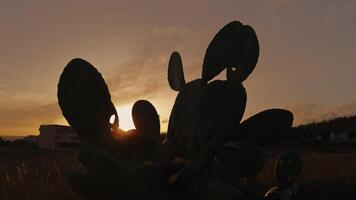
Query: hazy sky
{"points": [[306, 64]]}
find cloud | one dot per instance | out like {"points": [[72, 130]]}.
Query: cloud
{"points": [[141, 77], [144, 75], [306, 112], [133, 80], [170, 30], [2, 91], [27, 117], [348, 109], [3, 86]]}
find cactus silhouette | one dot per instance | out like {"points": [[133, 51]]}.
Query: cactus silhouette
{"points": [[201, 157], [141, 144], [85, 102], [103, 178], [287, 169], [235, 46], [112, 159], [145, 117], [206, 114], [266, 126]]}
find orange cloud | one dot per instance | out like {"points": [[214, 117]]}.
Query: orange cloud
{"points": [[27, 117], [306, 112]]}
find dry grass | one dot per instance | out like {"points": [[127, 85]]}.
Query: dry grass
{"points": [[42, 175], [325, 175], [35, 175]]}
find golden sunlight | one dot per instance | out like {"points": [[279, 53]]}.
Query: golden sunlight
{"points": [[125, 118]]}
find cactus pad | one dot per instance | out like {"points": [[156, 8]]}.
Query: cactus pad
{"points": [[234, 47], [181, 121], [145, 117], [175, 72], [267, 126], [85, 102], [220, 108], [287, 169], [239, 161]]}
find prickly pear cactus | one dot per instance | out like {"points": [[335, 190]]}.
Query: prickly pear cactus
{"points": [[111, 161], [103, 178], [206, 116], [266, 126], [141, 144], [220, 108], [234, 162], [85, 101], [175, 72], [200, 155], [145, 118], [181, 122], [287, 169], [234, 45], [235, 48]]}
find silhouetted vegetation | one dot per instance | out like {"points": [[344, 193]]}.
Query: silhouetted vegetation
{"points": [[207, 147], [21, 143], [42, 175], [68, 145], [35, 174], [324, 129]]}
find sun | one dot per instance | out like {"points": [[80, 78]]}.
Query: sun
{"points": [[125, 118]]}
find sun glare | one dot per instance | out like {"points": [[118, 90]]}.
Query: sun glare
{"points": [[125, 118]]}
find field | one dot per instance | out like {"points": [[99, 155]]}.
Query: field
{"points": [[35, 174], [326, 175], [39, 174]]}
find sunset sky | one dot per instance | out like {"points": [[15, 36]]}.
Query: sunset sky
{"points": [[306, 64]]}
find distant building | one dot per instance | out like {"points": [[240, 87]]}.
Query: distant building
{"points": [[319, 137], [31, 138], [57, 137], [339, 136]]}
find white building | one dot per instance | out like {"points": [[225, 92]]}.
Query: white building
{"points": [[57, 137], [339, 136]]}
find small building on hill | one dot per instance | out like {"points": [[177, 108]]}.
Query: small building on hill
{"points": [[339, 136], [54, 136]]}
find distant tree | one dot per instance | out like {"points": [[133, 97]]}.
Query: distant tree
{"points": [[323, 128]]}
